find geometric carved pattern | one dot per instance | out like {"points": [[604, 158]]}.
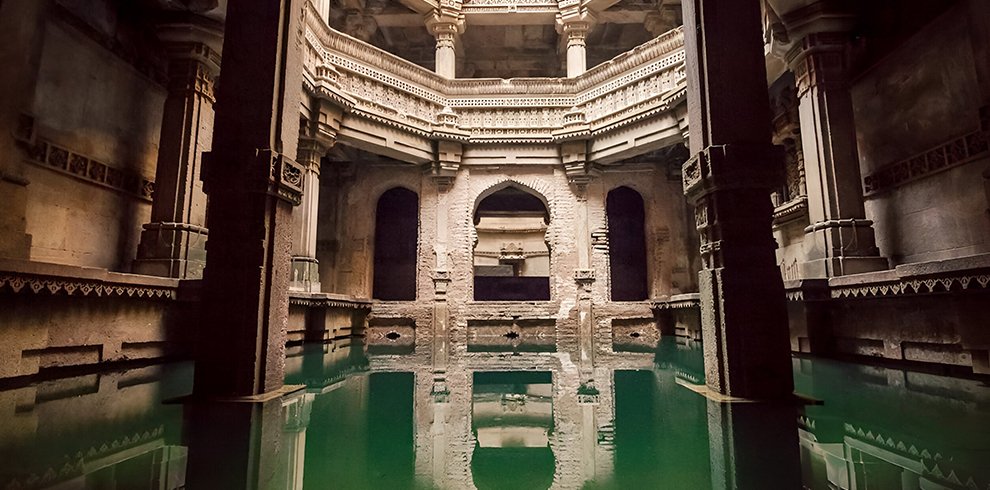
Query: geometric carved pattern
{"points": [[913, 286], [53, 157], [955, 152], [28, 283]]}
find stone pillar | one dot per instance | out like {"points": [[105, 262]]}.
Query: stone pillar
{"points": [[446, 164], [446, 25], [743, 313], [753, 446], [253, 183], [173, 244], [573, 25], [580, 172], [305, 267], [23, 24], [843, 238]]}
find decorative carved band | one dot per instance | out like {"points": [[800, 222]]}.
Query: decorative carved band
{"points": [[32, 283], [54, 157], [956, 152]]}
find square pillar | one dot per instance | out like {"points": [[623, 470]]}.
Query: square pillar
{"points": [[743, 311], [253, 182]]}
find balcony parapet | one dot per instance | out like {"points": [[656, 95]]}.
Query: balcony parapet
{"points": [[645, 81]]}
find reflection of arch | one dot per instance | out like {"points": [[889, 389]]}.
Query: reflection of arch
{"points": [[511, 255], [396, 236], [627, 244]]}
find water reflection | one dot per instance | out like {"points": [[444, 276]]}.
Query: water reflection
{"points": [[498, 420]]}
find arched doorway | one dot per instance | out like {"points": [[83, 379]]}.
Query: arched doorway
{"points": [[396, 237], [627, 245], [511, 257]]}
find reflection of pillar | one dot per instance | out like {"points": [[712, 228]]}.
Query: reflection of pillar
{"points": [[843, 238], [296, 411], [753, 445], [173, 244], [446, 25], [305, 267], [744, 318], [573, 25], [236, 445], [252, 183]]}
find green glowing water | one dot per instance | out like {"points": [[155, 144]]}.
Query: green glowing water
{"points": [[499, 421]]}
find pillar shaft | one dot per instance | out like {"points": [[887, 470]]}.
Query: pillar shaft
{"points": [[577, 58], [305, 266], [744, 319], [446, 56], [173, 244], [843, 237], [252, 182]]}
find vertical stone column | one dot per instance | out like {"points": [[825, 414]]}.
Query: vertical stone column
{"points": [[305, 267], [743, 312], [574, 155], [446, 24], [173, 244], [573, 25], [844, 241], [253, 183], [23, 24]]}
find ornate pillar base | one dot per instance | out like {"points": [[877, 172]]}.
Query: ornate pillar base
{"points": [[172, 250], [305, 275]]}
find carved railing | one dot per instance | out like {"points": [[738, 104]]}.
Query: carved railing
{"points": [[383, 87]]}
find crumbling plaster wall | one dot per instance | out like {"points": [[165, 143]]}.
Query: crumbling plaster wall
{"points": [[918, 98]]}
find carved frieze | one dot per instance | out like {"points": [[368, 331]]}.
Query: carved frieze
{"points": [[947, 155], [63, 160]]}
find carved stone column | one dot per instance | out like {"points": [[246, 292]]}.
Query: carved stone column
{"points": [[580, 172], [305, 267], [573, 25], [446, 24], [323, 9], [173, 244], [252, 182], [844, 241], [743, 312]]}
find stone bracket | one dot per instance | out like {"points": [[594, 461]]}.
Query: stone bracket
{"points": [[734, 166]]}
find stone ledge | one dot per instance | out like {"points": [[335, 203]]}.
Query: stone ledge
{"points": [[54, 278], [972, 272], [677, 301], [331, 300]]}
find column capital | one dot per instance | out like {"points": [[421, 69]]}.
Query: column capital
{"points": [[445, 23], [575, 25], [820, 60]]}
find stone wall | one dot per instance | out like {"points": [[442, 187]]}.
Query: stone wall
{"points": [[918, 124], [89, 163]]}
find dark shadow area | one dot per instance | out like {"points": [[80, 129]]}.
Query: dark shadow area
{"points": [[627, 244], [396, 230]]}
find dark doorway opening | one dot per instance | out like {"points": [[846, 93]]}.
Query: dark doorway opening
{"points": [[396, 234], [627, 244], [511, 258]]}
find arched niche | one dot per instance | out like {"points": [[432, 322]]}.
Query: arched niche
{"points": [[396, 240], [511, 256], [627, 245]]}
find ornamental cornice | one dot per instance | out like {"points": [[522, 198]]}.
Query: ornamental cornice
{"points": [[374, 84], [20, 277]]}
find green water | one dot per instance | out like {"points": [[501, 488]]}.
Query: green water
{"points": [[525, 420]]}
